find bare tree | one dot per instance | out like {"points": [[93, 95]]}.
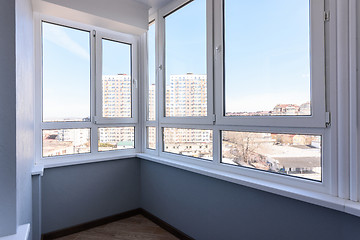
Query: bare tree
{"points": [[245, 146]]}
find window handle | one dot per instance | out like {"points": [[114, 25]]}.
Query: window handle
{"points": [[217, 51]]}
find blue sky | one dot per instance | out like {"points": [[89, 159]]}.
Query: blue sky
{"points": [[66, 73], [267, 56], [116, 58], [151, 51], [185, 38], [271, 53], [267, 50]]}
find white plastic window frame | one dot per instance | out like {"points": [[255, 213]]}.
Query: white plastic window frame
{"points": [[339, 189], [94, 154], [317, 75], [122, 39], [166, 11], [313, 125], [153, 19], [326, 186], [354, 64], [153, 22]]}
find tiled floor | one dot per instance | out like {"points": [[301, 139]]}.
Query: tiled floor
{"points": [[133, 228]]}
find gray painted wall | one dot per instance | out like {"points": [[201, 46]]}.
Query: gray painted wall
{"points": [[82, 193], [7, 119], [24, 109], [207, 208], [202, 207], [36, 207]]}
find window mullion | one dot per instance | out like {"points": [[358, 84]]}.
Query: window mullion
{"points": [[94, 133], [217, 49]]}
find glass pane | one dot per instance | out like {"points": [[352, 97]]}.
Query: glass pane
{"points": [[290, 154], [267, 58], [116, 79], [65, 141], [189, 142], [151, 137], [185, 49], [66, 73], [116, 138], [151, 72]]}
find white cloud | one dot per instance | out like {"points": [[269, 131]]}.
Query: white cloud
{"points": [[58, 36]]}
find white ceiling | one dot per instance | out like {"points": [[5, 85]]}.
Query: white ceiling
{"points": [[128, 16], [154, 4]]}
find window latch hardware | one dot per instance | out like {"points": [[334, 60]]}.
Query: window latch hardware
{"points": [[94, 33], [135, 83], [214, 117], [160, 67], [328, 119], [217, 51], [95, 119], [326, 16]]}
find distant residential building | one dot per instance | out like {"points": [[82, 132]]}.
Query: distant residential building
{"points": [[305, 109], [121, 137], [116, 103], [151, 137], [65, 141], [292, 109], [180, 135], [186, 95], [286, 109], [152, 103], [191, 142], [116, 95], [77, 136]]}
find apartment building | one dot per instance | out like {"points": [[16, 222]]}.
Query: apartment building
{"points": [[186, 95], [116, 95]]}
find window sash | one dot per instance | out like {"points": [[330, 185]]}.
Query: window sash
{"points": [[153, 19], [40, 73], [170, 8], [317, 73], [99, 119], [153, 22]]}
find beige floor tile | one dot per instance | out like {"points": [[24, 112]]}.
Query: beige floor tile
{"points": [[133, 228]]}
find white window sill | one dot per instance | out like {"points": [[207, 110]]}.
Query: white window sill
{"points": [[321, 199], [39, 167], [22, 233]]}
